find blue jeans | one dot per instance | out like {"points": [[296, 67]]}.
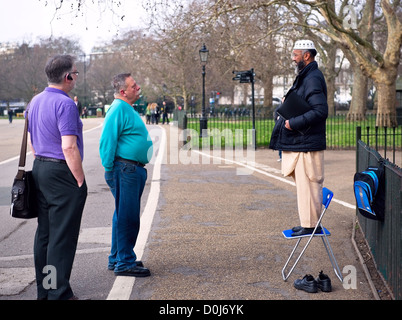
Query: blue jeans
{"points": [[126, 182]]}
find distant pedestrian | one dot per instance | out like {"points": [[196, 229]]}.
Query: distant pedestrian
{"points": [[84, 113], [10, 115], [78, 104], [125, 149], [152, 107], [57, 142], [157, 113], [165, 116], [148, 114]]}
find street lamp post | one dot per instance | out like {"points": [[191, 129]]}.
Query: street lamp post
{"points": [[203, 120]]}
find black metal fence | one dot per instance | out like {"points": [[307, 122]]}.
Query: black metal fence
{"points": [[386, 140], [341, 133], [384, 237]]}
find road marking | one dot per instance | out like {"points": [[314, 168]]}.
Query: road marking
{"points": [[13, 158], [123, 286], [254, 168], [99, 235], [31, 256], [13, 280], [11, 284], [29, 153]]}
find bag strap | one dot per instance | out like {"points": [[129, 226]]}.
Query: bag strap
{"points": [[23, 153]]}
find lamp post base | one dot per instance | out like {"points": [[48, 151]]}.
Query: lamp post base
{"points": [[203, 127]]}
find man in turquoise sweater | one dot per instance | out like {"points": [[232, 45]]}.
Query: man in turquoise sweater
{"points": [[125, 149]]}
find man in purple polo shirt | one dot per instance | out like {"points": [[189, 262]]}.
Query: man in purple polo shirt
{"points": [[56, 141]]}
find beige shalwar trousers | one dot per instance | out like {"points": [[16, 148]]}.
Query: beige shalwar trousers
{"points": [[307, 170]]}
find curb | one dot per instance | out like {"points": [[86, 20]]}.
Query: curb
{"points": [[363, 264]]}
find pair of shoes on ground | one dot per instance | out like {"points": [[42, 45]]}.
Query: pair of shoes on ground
{"points": [[311, 285], [137, 271], [300, 231]]}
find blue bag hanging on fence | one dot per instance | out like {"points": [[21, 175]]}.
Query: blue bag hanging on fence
{"points": [[369, 188]]}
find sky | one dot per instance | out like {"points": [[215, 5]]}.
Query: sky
{"points": [[29, 20]]}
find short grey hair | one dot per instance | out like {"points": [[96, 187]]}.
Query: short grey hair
{"points": [[119, 82], [57, 67]]}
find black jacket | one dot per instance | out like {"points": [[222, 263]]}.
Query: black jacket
{"points": [[308, 130]]}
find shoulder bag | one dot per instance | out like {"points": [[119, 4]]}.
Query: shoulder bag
{"points": [[23, 193]]}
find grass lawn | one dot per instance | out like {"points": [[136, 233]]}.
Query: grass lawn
{"points": [[340, 132]]}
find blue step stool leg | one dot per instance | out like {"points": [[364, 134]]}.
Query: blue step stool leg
{"points": [[331, 256], [324, 237], [326, 200]]}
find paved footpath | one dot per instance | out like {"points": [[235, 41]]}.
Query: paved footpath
{"points": [[217, 233]]}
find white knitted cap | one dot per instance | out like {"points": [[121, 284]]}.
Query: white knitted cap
{"points": [[303, 45]]}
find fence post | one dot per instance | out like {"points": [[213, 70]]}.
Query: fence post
{"points": [[253, 105], [385, 142], [358, 137]]}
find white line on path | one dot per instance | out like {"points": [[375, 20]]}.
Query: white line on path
{"points": [[28, 153], [30, 256], [123, 286], [253, 168]]}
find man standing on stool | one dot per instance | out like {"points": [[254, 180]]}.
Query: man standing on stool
{"points": [[125, 149], [302, 138]]}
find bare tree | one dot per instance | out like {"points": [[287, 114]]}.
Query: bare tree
{"points": [[102, 67], [349, 24], [381, 66], [25, 75], [175, 54]]}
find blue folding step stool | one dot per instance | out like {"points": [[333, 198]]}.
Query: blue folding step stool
{"points": [[324, 234]]}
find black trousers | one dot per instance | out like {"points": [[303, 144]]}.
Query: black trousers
{"points": [[61, 203]]}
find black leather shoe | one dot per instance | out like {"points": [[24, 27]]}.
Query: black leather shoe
{"points": [[324, 282], [298, 228], [134, 272], [308, 284], [304, 231]]}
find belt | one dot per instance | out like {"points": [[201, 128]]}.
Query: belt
{"points": [[40, 158], [130, 161]]}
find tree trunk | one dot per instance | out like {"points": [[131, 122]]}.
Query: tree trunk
{"points": [[245, 94], [357, 110], [381, 67], [184, 94], [330, 75], [232, 97], [331, 95], [268, 87], [386, 112]]}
